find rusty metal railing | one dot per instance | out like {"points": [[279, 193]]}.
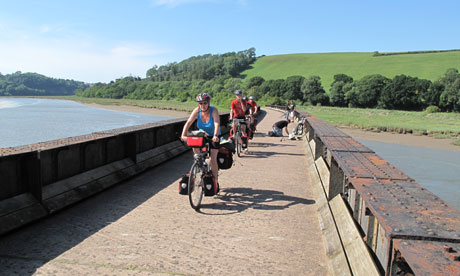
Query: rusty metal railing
{"points": [[410, 230]]}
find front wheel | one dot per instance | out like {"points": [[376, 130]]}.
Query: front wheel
{"points": [[195, 187], [239, 144]]}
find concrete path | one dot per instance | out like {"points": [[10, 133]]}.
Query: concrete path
{"points": [[263, 222]]}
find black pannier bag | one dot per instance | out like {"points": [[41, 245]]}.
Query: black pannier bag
{"points": [[210, 188], [183, 185], [244, 141], [225, 156]]}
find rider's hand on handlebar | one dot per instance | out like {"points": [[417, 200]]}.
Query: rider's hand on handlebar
{"points": [[183, 138]]}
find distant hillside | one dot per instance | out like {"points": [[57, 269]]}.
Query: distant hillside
{"points": [[430, 66], [33, 84]]}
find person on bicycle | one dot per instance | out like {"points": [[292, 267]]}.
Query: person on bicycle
{"points": [[208, 120], [252, 103], [238, 111]]}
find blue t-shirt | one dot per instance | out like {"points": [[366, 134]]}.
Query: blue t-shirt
{"points": [[209, 126]]}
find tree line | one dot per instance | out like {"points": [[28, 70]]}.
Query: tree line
{"points": [[33, 84], [219, 75]]}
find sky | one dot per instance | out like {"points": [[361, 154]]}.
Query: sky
{"points": [[101, 40]]}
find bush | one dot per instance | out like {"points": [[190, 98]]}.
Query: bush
{"points": [[432, 109]]}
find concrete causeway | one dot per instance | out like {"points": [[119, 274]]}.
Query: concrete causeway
{"points": [[263, 222]]}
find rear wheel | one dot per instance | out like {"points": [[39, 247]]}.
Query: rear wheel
{"points": [[195, 187]]}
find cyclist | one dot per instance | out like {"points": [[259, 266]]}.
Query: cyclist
{"points": [[254, 108], [208, 120], [238, 111]]}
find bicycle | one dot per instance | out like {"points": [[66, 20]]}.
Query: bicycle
{"points": [[238, 136], [200, 171], [299, 129]]}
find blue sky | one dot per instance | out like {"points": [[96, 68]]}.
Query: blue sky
{"points": [[101, 40]]}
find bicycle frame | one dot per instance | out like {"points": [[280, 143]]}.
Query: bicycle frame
{"points": [[198, 170], [237, 135]]}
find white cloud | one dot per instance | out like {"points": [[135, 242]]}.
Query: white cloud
{"points": [[56, 52]]}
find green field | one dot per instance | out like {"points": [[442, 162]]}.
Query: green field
{"points": [[428, 66]]}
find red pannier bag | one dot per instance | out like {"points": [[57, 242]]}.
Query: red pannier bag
{"points": [[196, 139]]}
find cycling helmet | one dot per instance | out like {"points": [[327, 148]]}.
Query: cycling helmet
{"points": [[238, 92], [245, 98], [251, 97], [203, 97]]}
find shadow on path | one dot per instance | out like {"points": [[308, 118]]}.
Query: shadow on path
{"points": [[25, 250], [236, 200]]}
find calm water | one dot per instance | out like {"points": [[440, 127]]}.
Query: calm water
{"points": [[437, 170], [26, 121]]}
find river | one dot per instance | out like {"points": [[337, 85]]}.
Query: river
{"points": [[26, 121]]}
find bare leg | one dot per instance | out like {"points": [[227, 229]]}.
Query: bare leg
{"points": [[214, 166]]}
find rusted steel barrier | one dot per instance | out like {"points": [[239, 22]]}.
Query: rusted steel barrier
{"points": [[40, 179], [408, 229]]}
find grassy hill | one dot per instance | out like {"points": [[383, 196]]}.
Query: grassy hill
{"points": [[357, 65]]}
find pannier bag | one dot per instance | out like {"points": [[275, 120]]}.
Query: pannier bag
{"points": [[196, 139], [224, 158], [195, 142], [210, 188], [244, 141], [183, 184]]}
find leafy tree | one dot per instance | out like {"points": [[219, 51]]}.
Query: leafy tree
{"points": [[292, 88], [255, 81], [433, 94], [337, 95], [366, 91], [450, 76], [313, 92], [342, 78], [450, 98], [33, 84], [403, 93]]}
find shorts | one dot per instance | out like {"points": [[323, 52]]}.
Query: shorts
{"points": [[240, 118], [277, 132]]}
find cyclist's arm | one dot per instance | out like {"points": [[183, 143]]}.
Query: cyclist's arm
{"points": [[286, 129], [189, 122], [216, 117]]}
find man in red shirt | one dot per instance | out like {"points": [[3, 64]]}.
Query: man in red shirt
{"points": [[238, 110]]}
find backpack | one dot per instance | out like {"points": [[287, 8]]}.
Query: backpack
{"points": [[183, 184]]}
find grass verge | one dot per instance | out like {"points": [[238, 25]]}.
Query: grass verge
{"points": [[437, 125]]}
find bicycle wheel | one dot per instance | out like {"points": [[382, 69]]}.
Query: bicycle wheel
{"points": [[238, 143], [300, 130], [195, 186]]}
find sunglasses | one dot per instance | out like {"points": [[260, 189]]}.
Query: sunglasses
{"points": [[203, 103]]}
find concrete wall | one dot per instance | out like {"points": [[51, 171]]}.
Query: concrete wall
{"points": [[38, 180]]}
